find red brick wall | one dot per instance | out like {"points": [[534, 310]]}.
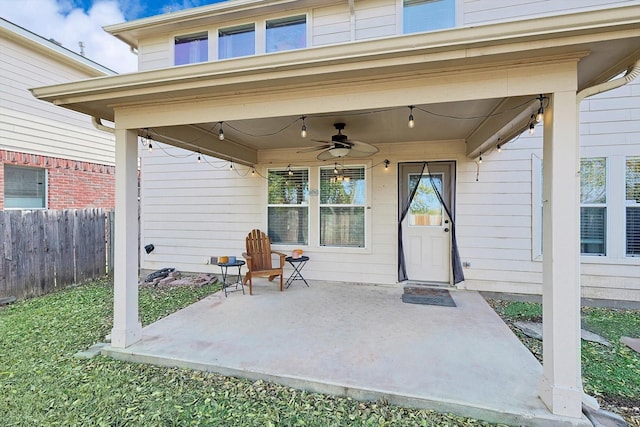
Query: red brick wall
{"points": [[71, 184]]}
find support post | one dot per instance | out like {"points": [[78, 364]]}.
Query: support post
{"points": [[561, 385], [127, 328]]}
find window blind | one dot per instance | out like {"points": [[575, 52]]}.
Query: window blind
{"points": [[288, 206]]}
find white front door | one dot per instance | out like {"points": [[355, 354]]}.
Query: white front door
{"points": [[426, 228]]}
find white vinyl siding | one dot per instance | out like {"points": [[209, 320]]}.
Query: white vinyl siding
{"points": [[331, 25], [36, 127], [155, 53], [375, 18], [485, 11], [199, 210]]}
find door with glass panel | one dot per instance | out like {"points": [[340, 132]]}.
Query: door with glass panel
{"points": [[426, 229]]}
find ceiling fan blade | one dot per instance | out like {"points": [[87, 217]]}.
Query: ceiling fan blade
{"points": [[318, 148], [362, 149], [326, 155]]}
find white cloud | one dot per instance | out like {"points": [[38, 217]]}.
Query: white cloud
{"points": [[70, 25]]}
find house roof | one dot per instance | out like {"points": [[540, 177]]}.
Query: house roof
{"points": [[600, 44], [51, 48]]}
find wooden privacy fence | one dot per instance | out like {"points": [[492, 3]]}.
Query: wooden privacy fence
{"points": [[43, 250]]}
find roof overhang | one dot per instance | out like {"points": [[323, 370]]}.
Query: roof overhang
{"points": [[600, 43]]}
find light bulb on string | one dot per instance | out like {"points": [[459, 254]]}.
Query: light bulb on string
{"points": [[253, 171], [335, 168], [480, 158], [199, 159], [303, 131], [221, 133], [499, 148], [150, 146], [412, 122], [540, 114], [532, 129], [289, 170]]}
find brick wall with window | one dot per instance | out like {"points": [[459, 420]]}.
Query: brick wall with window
{"points": [[36, 182]]}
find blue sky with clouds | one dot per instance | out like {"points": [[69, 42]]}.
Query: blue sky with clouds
{"points": [[72, 22], [135, 9]]}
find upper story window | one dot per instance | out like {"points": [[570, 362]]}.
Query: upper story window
{"points": [[427, 15], [237, 41], [288, 206], [191, 49], [24, 187], [286, 33]]}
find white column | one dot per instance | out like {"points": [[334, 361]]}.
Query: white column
{"points": [[127, 329], [561, 384]]}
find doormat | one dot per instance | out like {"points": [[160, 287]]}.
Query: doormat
{"points": [[427, 296]]}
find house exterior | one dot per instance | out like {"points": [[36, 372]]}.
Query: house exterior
{"points": [[416, 165], [50, 158], [499, 241]]}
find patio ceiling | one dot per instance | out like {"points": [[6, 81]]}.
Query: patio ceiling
{"points": [[343, 83]]}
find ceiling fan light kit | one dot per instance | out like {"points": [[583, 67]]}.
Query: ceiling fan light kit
{"points": [[341, 146]]}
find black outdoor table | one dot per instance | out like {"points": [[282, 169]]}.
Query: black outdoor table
{"points": [[297, 264], [224, 268]]}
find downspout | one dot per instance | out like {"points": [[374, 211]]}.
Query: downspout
{"points": [[631, 74], [97, 123]]}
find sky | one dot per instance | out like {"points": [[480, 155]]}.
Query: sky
{"points": [[73, 21]]}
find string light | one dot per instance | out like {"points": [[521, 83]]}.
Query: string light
{"points": [[532, 129], [386, 164], [221, 133], [540, 114], [335, 168], [199, 160], [230, 165], [303, 131], [411, 123], [289, 170], [480, 158], [499, 148], [253, 171], [150, 146]]}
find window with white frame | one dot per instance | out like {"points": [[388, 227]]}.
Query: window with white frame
{"points": [[632, 208], [288, 206], [286, 33], [237, 41], [428, 15], [609, 196], [342, 206], [24, 187], [191, 49], [593, 206]]}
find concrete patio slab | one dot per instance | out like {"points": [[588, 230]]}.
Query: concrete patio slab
{"points": [[360, 341]]}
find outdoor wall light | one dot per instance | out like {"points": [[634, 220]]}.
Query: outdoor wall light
{"points": [[149, 248]]}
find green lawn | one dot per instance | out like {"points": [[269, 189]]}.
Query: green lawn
{"points": [[612, 374], [43, 384]]}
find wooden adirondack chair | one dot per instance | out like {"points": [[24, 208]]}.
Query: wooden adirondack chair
{"points": [[259, 259]]}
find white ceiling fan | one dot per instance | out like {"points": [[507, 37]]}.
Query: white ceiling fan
{"points": [[341, 146]]}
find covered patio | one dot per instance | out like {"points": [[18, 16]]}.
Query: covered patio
{"points": [[359, 341], [500, 75]]}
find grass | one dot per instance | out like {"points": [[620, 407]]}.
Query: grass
{"points": [[43, 384], [612, 374]]}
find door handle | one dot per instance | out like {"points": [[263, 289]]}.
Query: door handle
{"points": [[446, 230]]}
